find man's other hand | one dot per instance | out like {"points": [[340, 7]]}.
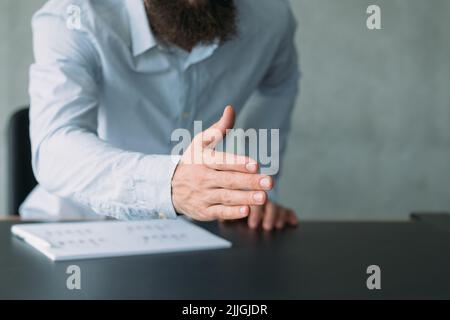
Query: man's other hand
{"points": [[210, 185], [271, 216]]}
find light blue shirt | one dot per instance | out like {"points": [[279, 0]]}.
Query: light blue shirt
{"points": [[106, 96]]}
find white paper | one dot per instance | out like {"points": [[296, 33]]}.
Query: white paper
{"points": [[85, 240]]}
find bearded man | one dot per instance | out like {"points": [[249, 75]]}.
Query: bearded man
{"points": [[113, 79]]}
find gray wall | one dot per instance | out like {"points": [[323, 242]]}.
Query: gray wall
{"points": [[372, 136], [370, 139]]}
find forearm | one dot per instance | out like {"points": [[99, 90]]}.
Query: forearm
{"points": [[74, 163]]}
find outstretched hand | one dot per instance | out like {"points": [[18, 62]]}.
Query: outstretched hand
{"points": [[211, 185]]}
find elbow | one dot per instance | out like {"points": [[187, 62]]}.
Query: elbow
{"points": [[40, 169], [47, 165]]}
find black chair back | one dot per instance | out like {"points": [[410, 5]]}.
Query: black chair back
{"points": [[21, 177]]}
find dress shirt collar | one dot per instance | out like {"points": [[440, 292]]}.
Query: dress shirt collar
{"points": [[142, 38]]}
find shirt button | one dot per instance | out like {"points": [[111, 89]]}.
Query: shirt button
{"points": [[162, 216]]}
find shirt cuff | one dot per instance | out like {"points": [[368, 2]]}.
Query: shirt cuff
{"points": [[138, 189], [153, 186]]}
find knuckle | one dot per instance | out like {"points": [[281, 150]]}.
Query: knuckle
{"points": [[209, 197], [228, 213], [226, 196], [207, 214], [251, 198], [255, 182], [208, 180], [233, 182], [220, 214], [225, 214]]}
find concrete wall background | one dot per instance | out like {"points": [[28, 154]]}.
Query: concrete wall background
{"points": [[371, 133], [371, 137]]}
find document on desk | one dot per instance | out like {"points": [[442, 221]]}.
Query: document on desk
{"points": [[86, 240]]}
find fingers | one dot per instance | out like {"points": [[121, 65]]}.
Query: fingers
{"points": [[270, 216], [278, 217], [292, 218], [281, 218], [255, 217], [237, 197], [242, 181], [229, 162], [221, 212]]}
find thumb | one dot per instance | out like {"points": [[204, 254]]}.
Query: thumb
{"points": [[226, 121], [217, 131]]}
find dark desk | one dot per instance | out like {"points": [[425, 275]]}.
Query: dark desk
{"points": [[317, 260]]}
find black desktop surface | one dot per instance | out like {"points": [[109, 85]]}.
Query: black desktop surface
{"points": [[322, 260]]}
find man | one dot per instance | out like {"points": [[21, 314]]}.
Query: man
{"points": [[112, 79]]}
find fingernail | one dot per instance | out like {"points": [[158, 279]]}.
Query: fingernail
{"points": [[265, 183], [259, 197], [243, 210], [251, 167]]}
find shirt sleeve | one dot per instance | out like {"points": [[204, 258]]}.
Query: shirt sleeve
{"points": [[68, 157], [272, 104]]}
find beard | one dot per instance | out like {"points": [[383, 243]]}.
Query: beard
{"points": [[187, 23]]}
